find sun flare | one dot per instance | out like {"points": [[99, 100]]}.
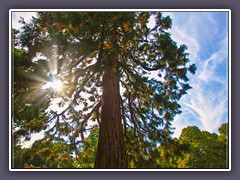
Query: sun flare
{"points": [[56, 85]]}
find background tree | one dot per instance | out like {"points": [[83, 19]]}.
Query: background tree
{"points": [[86, 156], [206, 150], [169, 153], [193, 149], [224, 145], [41, 155], [120, 71]]}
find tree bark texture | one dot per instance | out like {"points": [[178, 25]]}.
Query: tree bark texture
{"points": [[111, 153]]}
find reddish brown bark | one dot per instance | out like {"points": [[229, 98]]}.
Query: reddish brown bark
{"points": [[111, 153]]}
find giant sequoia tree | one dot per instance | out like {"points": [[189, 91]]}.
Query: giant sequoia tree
{"points": [[120, 71]]}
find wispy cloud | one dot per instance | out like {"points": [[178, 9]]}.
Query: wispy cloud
{"points": [[205, 34], [181, 37], [209, 69], [205, 105]]}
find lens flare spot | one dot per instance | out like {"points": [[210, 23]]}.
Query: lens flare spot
{"points": [[56, 85]]}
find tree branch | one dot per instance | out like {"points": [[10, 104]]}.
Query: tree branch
{"points": [[80, 128], [143, 65]]}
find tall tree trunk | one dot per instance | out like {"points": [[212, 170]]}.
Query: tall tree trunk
{"points": [[111, 153]]}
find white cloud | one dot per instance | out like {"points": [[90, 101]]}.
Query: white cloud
{"points": [[208, 107], [209, 66], [205, 105], [181, 37]]}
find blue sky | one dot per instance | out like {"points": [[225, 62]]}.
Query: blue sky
{"points": [[206, 35]]}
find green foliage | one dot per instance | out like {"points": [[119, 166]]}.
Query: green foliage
{"points": [[193, 149], [41, 155], [27, 118], [75, 47], [86, 157], [205, 149]]}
